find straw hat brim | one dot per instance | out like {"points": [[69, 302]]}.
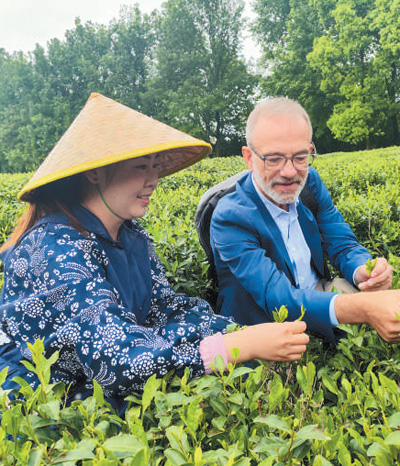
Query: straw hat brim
{"points": [[107, 132]]}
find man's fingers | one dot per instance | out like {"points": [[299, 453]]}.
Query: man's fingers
{"points": [[294, 357], [300, 339], [382, 267], [379, 282]]}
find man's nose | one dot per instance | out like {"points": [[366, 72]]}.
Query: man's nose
{"points": [[288, 170]]}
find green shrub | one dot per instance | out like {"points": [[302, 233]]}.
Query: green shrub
{"points": [[331, 408], [364, 186], [334, 407]]}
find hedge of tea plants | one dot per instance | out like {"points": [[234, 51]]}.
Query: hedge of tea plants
{"points": [[337, 406]]}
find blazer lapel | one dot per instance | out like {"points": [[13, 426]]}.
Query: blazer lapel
{"points": [[273, 232], [311, 234]]}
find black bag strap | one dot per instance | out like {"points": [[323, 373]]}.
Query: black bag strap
{"points": [[309, 200], [205, 209]]}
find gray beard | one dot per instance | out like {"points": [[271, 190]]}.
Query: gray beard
{"points": [[284, 198]]}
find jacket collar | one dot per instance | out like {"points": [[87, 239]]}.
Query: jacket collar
{"points": [[307, 222], [246, 188]]}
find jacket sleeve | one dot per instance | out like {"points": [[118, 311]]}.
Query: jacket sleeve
{"points": [[56, 289], [344, 251]]}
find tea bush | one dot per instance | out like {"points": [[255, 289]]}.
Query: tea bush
{"points": [[337, 406]]}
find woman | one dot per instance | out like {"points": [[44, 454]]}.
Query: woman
{"points": [[83, 276]]}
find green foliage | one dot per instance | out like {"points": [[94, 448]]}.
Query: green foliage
{"points": [[184, 65], [181, 66], [340, 59], [346, 57], [198, 57], [370, 265], [363, 185], [11, 209], [335, 407]]}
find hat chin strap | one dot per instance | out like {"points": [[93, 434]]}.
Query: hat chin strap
{"points": [[105, 203]]}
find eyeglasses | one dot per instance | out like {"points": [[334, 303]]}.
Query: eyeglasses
{"points": [[277, 162]]}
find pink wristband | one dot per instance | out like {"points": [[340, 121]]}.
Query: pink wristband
{"points": [[211, 347]]}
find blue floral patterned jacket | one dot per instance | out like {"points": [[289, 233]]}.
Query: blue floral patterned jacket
{"points": [[106, 306]]}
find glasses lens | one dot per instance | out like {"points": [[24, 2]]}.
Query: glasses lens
{"points": [[277, 162], [301, 162], [274, 162]]}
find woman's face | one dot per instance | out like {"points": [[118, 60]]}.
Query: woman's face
{"points": [[127, 186]]}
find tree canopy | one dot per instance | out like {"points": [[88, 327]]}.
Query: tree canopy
{"points": [[339, 58], [184, 65]]}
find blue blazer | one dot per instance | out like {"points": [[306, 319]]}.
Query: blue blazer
{"points": [[255, 273]]}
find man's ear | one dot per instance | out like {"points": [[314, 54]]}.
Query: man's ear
{"points": [[248, 157], [92, 176]]}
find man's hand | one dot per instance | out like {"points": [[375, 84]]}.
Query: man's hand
{"points": [[377, 309], [380, 278]]}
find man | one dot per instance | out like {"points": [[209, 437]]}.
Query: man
{"points": [[268, 246]]}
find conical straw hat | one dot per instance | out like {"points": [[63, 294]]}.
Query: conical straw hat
{"points": [[106, 132]]}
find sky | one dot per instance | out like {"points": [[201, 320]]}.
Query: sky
{"points": [[23, 23]]}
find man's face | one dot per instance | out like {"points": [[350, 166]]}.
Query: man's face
{"points": [[279, 135]]}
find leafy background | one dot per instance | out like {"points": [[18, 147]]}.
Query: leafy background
{"points": [[337, 406], [184, 64]]}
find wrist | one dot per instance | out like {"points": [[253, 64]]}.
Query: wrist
{"points": [[352, 308], [238, 339], [356, 276]]}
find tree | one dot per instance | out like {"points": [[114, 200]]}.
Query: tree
{"points": [[130, 59], [201, 86], [339, 58], [345, 56], [286, 31], [42, 92], [16, 82], [386, 23]]}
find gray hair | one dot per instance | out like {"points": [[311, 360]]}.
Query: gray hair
{"points": [[272, 107]]}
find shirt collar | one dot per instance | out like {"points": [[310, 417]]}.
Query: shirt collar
{"points": [[88, 221], [273, 209]]}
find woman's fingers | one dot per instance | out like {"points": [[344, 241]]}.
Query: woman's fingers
{"points": [[270, 341]]}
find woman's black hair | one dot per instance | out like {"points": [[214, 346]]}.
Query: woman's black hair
{"points": [[57, 196]]}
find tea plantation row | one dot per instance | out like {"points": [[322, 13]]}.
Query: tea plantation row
{"points": [[337, 406]]}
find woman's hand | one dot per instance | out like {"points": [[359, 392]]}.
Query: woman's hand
{"points": [[271, 341]]}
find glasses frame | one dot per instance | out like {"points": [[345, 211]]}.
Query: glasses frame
{"points": [[313, 154]]}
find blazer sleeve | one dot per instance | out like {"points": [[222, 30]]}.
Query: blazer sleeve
{"points": [[344, 251]]}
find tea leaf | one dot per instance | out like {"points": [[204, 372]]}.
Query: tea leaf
{"points": [[123, 443], [280, 315], [311, 432], [273, 421], [370, 265], [393, 438]]}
